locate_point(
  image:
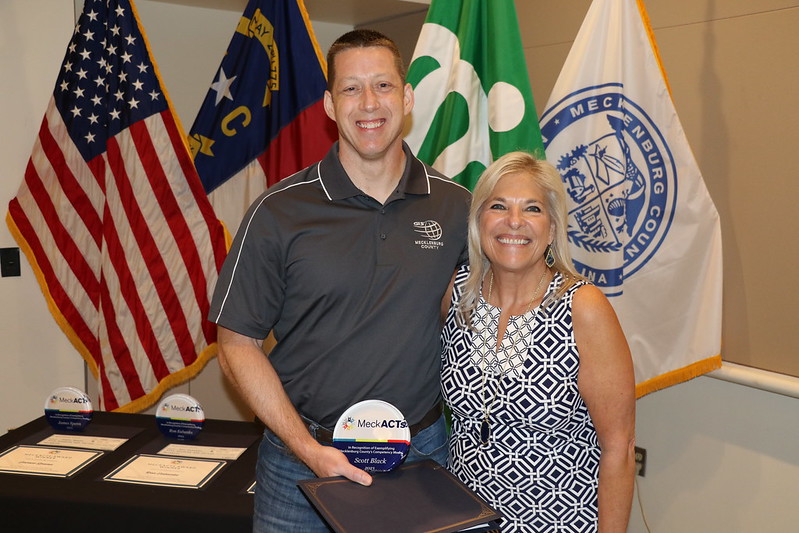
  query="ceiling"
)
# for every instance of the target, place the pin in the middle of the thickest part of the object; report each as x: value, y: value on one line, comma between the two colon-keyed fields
x: 351, y: 12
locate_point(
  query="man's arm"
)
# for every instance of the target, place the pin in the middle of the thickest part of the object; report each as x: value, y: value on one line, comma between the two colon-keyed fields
x: 250, y: 371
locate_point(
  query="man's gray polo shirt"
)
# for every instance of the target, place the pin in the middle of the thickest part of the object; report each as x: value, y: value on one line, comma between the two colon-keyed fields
x: 351, y: 288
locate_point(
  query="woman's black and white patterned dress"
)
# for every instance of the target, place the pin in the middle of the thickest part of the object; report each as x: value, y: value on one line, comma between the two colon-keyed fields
x: 540, y: 464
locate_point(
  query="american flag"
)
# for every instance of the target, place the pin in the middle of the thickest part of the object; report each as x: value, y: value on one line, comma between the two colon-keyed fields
x: 113, y: 218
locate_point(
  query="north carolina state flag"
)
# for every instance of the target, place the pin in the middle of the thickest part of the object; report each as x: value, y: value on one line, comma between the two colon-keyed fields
x: 263, y: 117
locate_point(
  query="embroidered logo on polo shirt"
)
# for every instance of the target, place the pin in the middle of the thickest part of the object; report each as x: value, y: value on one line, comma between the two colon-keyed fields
x: 431, y: 231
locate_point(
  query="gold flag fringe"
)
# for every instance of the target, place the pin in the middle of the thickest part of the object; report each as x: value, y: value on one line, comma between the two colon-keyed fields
x: 678, y: 376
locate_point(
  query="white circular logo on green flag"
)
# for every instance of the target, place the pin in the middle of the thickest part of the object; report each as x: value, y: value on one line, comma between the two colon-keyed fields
x: 452, y: 113
x: 473, y: 98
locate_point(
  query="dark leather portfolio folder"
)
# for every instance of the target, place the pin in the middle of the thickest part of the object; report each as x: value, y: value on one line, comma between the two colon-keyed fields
x: 420, y: 497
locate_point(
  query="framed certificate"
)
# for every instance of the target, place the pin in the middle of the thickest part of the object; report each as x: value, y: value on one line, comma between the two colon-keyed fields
x: 166, y: 471
x: 90, y: 442
x: 227, y: 453
x: 45, y: 461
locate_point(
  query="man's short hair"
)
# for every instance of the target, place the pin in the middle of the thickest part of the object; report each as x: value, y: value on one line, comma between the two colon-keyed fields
x: 362, y: 38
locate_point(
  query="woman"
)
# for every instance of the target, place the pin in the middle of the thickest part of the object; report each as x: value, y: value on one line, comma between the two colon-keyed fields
x: 536, y: 369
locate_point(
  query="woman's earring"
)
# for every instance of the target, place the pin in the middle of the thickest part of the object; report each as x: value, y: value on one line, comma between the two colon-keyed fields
x: 549, y: 257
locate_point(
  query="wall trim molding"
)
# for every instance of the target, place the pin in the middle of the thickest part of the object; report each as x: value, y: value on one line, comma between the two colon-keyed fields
x: 757, y: 379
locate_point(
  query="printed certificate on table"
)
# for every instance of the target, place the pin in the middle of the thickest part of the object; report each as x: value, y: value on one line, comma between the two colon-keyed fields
x: 166, y: 471
x: 90, y: 442
x: 45, y: 461
x: 202, y: 452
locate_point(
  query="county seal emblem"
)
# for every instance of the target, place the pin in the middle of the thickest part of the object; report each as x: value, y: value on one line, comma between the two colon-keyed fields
x: 620, y: 178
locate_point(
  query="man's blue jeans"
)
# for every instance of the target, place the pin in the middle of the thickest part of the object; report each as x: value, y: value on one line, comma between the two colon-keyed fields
x: 281, y: 507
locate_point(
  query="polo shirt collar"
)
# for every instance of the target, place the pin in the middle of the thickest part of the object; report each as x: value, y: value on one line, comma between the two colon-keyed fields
x: 415, y: 178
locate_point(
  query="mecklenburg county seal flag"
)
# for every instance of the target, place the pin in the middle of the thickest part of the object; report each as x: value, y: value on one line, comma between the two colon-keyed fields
x: 641, y: 225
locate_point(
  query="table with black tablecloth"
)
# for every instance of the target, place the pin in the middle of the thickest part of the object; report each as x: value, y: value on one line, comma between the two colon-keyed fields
x: 86, y: 502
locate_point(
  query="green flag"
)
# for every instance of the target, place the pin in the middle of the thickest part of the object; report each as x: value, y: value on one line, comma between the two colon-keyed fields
x: 473, y: 96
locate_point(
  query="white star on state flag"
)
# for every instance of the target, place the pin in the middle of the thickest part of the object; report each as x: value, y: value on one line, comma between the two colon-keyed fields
x: 222, y: 87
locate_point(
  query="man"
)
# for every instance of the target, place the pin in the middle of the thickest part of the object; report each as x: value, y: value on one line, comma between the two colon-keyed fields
x: 346, y: 262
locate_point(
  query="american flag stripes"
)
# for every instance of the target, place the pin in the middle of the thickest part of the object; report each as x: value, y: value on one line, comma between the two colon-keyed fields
x: 113, y: 218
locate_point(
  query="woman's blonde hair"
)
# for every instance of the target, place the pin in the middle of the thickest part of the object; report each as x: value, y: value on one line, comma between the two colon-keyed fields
x: 545, y: 176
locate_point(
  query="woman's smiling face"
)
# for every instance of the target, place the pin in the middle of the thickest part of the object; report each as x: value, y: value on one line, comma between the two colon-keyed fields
x: 515, y: 226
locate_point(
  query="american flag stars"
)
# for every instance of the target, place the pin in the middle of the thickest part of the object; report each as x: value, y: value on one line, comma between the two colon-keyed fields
x: 107, y: 81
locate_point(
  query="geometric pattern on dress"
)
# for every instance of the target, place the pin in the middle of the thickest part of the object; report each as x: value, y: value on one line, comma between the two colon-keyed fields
x: 541, y: 463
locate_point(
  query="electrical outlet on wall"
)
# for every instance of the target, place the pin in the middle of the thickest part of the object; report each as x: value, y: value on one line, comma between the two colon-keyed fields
x: 640, y: 461
x: 9, y: 262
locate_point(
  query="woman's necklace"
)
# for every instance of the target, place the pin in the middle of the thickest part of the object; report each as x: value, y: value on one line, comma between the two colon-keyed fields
x: 485, y: 426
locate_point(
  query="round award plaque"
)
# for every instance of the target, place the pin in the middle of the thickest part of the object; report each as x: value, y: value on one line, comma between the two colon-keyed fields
x: 68, y: 408
x: 180, y: 416
x: 374, y: 435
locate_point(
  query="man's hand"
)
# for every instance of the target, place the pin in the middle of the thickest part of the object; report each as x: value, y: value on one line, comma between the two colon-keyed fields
x: 327, y: 461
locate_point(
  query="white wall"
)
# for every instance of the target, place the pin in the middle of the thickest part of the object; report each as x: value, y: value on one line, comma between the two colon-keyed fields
x: 721, y: 457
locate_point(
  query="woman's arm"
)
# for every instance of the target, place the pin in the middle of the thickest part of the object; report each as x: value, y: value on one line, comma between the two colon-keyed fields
x: 607, y: 384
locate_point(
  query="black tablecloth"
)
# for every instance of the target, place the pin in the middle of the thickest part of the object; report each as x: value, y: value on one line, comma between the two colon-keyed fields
x: 87, y: 503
